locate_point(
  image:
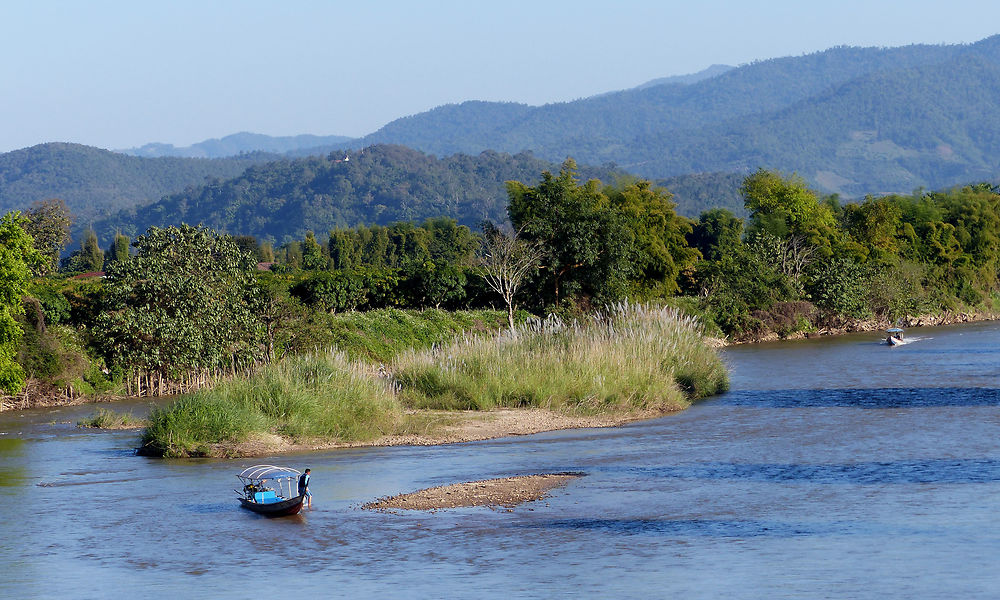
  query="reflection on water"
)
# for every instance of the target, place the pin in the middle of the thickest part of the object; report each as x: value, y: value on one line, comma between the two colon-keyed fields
x: 835, y: 468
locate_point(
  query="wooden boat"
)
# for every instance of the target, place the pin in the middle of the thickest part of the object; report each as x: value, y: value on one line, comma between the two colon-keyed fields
x: 264, y: 490
x: 895, y: 337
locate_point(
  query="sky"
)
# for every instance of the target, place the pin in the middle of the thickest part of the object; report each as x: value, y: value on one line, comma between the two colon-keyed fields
x: 119, y: 74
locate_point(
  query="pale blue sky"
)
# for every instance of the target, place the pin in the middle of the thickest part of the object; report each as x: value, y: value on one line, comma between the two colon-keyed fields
x: 116, y: 74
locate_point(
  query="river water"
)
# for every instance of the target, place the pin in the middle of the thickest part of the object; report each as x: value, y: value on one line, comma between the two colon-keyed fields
x: 835, y: 468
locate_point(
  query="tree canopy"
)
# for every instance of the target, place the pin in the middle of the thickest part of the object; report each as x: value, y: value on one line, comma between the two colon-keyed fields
x: 186, y: 301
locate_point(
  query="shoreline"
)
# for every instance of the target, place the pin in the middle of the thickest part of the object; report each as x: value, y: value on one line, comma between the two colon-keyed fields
x: 457, y: 427
x: 928, y: 320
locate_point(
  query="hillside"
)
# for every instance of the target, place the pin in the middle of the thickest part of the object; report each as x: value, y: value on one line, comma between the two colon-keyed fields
x: 95, y: 182
x: 772, y: 113
x: 379, y: 185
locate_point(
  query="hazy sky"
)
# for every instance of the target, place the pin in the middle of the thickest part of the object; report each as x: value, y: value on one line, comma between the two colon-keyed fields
x: 121, y: 74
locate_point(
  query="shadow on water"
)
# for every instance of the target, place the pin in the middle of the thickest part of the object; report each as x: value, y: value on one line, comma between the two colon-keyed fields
x: 944, y: 471
x: 862, y: 398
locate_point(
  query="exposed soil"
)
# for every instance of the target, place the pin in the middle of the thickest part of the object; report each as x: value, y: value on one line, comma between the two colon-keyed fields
x: 440, y: 427
x: 507, y: 492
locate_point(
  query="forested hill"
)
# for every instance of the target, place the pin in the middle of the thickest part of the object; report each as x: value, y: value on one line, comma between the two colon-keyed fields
x: 380, y: 185
x: 851, y: 120
x: 95, y: 183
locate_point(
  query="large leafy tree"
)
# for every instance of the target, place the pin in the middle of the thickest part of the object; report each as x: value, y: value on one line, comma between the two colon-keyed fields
x: 17, y: 258
x: 586, y: 245
x: 187, y: 301
x: 785, y: 206
x: 660, y: 251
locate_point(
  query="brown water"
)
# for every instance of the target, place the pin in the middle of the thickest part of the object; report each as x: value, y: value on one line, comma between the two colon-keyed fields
x: 836, y: 468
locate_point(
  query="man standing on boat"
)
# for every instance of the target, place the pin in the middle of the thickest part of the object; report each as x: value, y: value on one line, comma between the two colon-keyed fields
x: 304, y: 489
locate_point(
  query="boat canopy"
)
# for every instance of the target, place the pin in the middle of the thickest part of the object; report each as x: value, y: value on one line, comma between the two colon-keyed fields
x: 894, y: 330
x: 261, y: 472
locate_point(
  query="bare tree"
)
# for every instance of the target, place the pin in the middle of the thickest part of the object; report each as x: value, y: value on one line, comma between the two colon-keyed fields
x: 507, y: 260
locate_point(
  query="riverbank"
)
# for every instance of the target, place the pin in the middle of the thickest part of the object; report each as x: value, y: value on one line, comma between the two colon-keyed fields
x: 434, y: 428
x: 857, y: 326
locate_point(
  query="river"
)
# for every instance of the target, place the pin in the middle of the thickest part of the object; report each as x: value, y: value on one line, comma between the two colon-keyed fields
x: 835, y: 468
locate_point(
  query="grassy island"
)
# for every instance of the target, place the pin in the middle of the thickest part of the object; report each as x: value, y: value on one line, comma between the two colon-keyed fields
x: 628, y: 362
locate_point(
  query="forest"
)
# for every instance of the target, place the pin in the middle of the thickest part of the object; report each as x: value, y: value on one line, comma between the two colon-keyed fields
x: 182, y: 305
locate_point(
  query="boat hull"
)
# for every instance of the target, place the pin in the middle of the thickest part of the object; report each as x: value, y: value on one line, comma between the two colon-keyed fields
x: 274, y: 509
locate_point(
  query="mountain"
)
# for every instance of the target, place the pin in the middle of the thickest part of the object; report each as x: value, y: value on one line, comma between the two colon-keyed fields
x: 860, y: 137
x: 239, y: 143
x: 281, y: 200
x: 851, y: 120
x: 95, y: 182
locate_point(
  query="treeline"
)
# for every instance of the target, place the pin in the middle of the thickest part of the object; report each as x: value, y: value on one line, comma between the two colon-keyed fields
x: 801, y: 262
x: 179, y: 307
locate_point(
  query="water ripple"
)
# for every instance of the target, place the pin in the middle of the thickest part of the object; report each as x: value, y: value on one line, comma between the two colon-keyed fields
x: 952, y: 471
x: 863, y: 398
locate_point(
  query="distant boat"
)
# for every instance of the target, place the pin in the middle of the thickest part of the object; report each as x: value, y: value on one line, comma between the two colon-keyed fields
x: 263, y: 490
x: 894, y: 337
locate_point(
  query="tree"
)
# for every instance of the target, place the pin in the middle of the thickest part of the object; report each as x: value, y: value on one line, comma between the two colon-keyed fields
x: 119, y: 250
x: 507, y: 260
x: 48, y: 223
x: 312, y: 254
x: 186, y: 302
x: 88, y: 258
x: 586, y: 244
x: 18, y: 257
x: 717, y: 232
x: 784, y: 206
x: 660, y: 250
x: 433, y: 284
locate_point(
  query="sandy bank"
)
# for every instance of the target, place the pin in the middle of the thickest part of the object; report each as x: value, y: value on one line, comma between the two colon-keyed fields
x: 440, y: 427
x: 506, y: 492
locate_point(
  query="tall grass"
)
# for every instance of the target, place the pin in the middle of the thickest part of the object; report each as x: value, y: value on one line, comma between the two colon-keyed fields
x: 628, y: 359
x: 317, y: 396
x: 631, y: 358
x: 380, y: 335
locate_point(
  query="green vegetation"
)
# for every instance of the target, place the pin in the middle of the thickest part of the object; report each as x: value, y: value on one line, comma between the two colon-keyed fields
x: 625, y: 360
x: 629, y: 360
x: 804, y: 263
x: 315, y: 396
x: 108, y: 419
x: 184, y: 306
x: 379, y: 185
x: 17, y: 256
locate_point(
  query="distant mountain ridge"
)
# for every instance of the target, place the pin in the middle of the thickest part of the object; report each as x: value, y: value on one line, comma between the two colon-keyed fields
x: 95, y: 182
x: 769, y: 113
x: 238, y: 143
